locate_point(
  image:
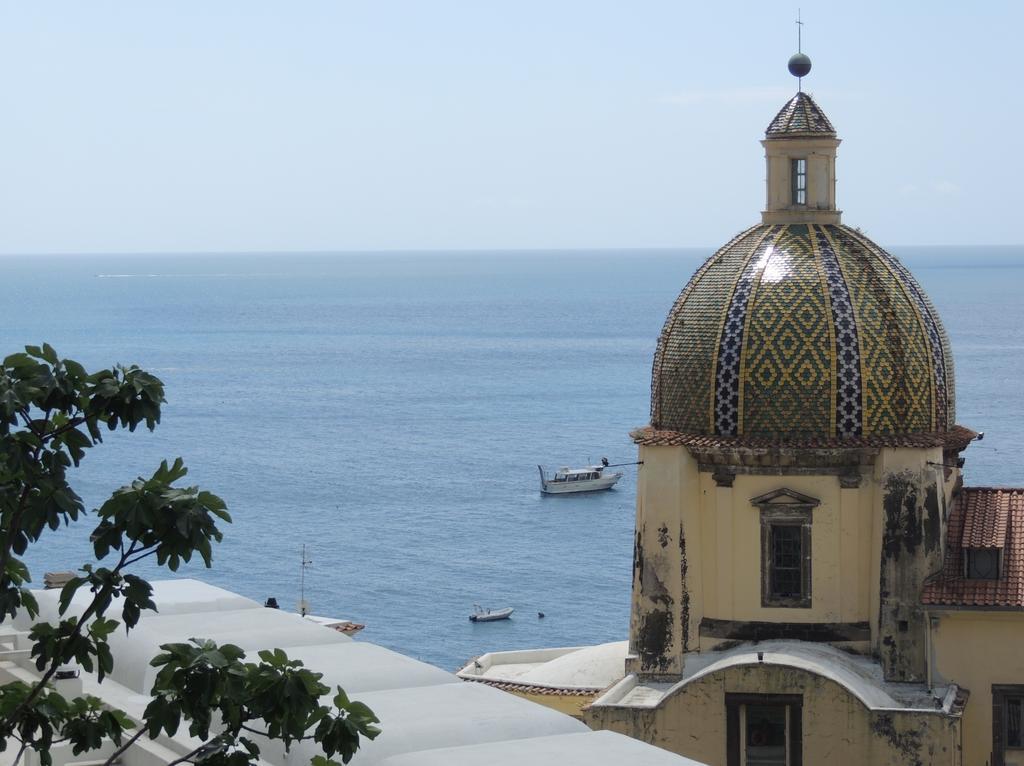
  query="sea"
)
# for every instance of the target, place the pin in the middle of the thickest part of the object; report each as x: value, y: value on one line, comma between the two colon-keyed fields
x: 387, y: 412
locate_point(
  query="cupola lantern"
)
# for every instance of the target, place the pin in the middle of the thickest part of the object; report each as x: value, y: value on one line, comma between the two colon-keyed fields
x: 800, y: 151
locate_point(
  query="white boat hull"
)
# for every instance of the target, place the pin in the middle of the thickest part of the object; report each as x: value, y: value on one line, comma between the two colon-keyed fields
x: 606, y: 481
x: 491, y: 616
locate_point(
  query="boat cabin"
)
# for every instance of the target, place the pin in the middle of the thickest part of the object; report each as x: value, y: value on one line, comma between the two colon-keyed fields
x: 577, y: 474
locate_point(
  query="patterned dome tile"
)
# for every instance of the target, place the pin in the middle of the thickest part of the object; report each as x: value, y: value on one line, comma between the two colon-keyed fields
x: 807, y: 330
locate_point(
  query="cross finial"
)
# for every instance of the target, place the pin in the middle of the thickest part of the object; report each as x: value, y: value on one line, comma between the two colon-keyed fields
x: 799, y: 64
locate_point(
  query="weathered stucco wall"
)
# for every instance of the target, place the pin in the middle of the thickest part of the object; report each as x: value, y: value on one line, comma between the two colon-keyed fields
x: 873, y: 543
x: 838, y: 730
x: 911, y: 513
x: 976, y: 650
x: 690, y: 529
x: 659, y: 625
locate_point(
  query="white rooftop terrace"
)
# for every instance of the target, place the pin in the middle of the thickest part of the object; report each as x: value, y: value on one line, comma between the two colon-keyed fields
x: 428, y: 716
x: 577, y: 668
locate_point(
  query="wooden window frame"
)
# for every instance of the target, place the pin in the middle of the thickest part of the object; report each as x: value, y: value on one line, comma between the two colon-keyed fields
x: 1000, y: 693
x: 786, y: 514
x: 794, y: 737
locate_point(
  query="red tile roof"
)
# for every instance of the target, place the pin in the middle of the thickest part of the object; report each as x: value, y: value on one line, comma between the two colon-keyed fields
x: 982, y: 517
x: 956, y: 438
x: 986, y: 515
x: 561, y: 691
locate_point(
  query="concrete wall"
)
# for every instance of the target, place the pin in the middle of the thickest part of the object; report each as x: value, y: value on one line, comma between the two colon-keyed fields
x: 976, y: 650
x: 838, y: 730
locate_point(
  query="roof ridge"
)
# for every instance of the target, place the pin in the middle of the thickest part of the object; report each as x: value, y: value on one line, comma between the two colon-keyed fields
x: 992, y: 489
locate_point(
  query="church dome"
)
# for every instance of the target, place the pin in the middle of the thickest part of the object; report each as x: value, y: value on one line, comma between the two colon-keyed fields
x: 803, y: 333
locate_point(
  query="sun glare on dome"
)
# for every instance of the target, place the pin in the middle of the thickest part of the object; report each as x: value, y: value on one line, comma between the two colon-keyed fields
x: 772, y: 269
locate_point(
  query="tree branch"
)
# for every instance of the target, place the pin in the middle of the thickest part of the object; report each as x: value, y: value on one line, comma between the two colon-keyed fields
x: 21, y: 751
x: 26, y: 420
x: 57, y: 660
x: 73, y: 423
x: 117, y: 753
x: 141, y: 556
x: 187, y: 758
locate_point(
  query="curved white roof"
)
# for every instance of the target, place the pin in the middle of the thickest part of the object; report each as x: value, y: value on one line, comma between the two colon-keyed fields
x: 592, y: 666
x: 427, y: 715
x: 820, y: 659
x: 580, y: 667
x: 172, y: 596
x: 861, y: 676
x: 559, y: 750
x: 250, y: 629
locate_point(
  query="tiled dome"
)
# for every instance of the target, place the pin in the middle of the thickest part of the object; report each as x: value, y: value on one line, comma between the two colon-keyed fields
x: 803, y: 331
x: 800, y: 117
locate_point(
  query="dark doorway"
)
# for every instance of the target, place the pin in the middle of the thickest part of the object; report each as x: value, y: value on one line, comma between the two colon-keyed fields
x: 764, y: 729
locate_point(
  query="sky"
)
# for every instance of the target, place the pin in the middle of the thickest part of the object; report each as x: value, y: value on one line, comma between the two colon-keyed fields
x: 243, y: 125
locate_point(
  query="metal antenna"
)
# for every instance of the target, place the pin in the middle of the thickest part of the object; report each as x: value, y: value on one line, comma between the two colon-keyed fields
x: 799, y: 43
x: 303, y: 604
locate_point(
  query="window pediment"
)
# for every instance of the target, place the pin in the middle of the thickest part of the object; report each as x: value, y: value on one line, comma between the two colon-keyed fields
x: 786, y: 517
x: 784, y: 497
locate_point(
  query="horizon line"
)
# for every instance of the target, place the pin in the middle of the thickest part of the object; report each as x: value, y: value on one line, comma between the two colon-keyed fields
x: 463, y: 250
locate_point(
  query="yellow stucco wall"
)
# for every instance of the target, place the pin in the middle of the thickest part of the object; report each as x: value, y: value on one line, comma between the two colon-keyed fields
x: 723, y: 537
x: 564, y: 703
x: 976, y: 650
x: 721, y: 561
x: 736, y: 544
x: 838, y: 730
x: 821, y: 182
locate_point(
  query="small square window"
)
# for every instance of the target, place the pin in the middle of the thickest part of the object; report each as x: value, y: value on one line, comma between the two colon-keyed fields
x: 982, y: 563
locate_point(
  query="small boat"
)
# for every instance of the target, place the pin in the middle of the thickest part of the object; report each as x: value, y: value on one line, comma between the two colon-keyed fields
x: 590, y: 478
x: 490, y: 615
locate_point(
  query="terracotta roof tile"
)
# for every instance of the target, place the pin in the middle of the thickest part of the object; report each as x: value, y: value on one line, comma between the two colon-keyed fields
x: 980, y: 517
x: 986, y: 515
x: 956, y: 438
x: 561, y: 691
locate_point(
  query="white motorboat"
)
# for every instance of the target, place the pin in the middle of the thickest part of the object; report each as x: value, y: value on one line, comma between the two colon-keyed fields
x: 590, y: 478
x: 490, y: 615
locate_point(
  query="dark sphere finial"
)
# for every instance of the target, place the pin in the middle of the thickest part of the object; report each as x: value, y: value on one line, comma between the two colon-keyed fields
x: 799, y: 64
